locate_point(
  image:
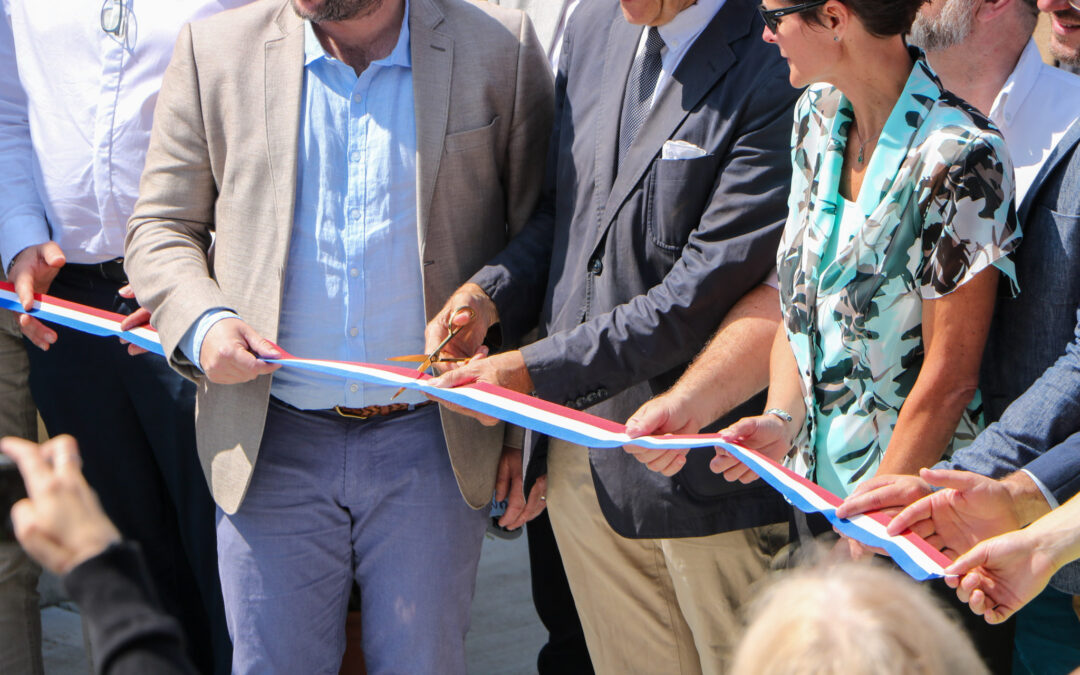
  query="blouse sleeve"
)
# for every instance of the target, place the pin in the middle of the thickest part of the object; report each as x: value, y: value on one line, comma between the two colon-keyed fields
x: 970, y: 223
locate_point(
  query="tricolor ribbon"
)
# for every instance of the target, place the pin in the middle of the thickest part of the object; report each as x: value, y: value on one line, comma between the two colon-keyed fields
x: 919, y: 559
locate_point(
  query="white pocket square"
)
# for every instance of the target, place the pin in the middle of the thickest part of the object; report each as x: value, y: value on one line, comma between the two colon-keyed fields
x: 681, y: 150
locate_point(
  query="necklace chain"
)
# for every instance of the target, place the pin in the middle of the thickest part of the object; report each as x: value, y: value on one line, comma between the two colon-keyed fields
x: 862, y: 145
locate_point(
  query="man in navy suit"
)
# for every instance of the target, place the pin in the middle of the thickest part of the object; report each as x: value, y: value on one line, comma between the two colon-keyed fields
x: 667, y: 179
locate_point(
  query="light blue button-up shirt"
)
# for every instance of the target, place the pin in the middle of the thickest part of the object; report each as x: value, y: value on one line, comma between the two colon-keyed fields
x: 353, y: 285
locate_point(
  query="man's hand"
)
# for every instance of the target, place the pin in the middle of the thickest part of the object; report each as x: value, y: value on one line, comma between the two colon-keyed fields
x: 883, y: 493
x: 140, y: 317
x: 508, y: 486
x: 470, y: 338
x: 971, y: 508
x: 1002, y: 574
x: 668, y: 413
x: 768, y: 434
x: 32, y: 271
x: 231, y: 351
x: 505, y: 370
x: 60, y: 523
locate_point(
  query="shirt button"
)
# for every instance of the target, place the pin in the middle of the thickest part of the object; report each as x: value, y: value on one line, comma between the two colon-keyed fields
x: 354, y: 388
x: 354, y: 331
x: 354, y: 272
x: 357, y: 97
x: 597, y: 266
x: 354, y: 156
x: 354, y: 214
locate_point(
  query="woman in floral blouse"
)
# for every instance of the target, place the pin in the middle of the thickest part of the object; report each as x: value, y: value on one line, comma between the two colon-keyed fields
x: 900, y: 219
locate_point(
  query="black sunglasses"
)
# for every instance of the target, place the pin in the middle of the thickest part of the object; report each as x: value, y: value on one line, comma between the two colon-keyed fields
x: 772, y: 16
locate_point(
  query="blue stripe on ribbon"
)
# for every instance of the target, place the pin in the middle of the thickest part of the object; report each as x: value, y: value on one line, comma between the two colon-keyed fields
x: 788, y: 487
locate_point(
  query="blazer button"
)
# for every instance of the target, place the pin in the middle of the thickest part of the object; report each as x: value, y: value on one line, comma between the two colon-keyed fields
x: 597, y: 266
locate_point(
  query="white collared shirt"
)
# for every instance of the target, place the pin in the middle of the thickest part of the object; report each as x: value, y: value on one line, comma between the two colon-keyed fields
x: 678, y: 34
x: 75, y: 118
x: 1034, y: 109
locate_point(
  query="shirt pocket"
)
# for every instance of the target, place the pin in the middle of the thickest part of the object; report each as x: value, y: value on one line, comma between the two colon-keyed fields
x: 678, y: 191
x: 481, y: 137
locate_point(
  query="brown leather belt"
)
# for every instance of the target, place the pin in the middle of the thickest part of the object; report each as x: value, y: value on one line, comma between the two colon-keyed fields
x: 367, y: 412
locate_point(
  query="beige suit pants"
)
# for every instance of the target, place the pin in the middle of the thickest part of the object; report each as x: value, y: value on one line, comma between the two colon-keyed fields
x: 651, y: 605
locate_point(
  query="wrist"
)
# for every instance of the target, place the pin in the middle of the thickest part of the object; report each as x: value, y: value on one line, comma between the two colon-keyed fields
x: 1028, y: 502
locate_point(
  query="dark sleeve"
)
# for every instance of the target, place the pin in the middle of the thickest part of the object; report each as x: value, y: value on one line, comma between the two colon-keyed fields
x: 516, y: 278
x: 730, y: 251
x: 1059, y: 468
x: 1045, y: 415
x: 129, y: 631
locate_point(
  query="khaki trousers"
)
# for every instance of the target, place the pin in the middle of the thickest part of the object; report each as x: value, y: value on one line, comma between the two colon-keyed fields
x: 651, y: 605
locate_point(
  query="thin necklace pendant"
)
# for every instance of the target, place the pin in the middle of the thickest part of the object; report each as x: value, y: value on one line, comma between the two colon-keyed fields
x: 860, y: 160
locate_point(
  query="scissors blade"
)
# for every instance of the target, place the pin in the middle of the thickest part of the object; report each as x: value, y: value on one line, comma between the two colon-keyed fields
x: 434, y: 355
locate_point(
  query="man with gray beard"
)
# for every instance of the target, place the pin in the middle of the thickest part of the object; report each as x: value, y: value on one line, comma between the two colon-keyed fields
x: 984, y: 53
x: 357, y: 160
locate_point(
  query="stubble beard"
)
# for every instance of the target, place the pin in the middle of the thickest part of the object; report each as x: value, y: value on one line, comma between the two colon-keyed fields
x: 337, y: 10
x: 948, y: 29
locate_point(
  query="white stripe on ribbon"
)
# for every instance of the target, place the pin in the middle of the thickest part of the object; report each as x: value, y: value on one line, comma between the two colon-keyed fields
x: 911, y: 552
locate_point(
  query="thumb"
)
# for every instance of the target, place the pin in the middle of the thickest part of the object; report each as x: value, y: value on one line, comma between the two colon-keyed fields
x: 646, y: 420
x: 262, y: 347
x: 969, y: 561
x: 53, y: 255
x: 454, y: 378
x: 742, y: 429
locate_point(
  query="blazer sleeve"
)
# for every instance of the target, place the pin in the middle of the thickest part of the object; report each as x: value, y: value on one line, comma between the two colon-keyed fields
x: 1044, y: 416
x: 169, y: 231
x: 1059, y: 468
x: 730, y: 251
x: 516, y: 278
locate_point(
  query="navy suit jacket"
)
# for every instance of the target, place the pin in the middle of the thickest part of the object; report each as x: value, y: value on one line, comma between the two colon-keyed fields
x: 628, y: 271
x: 1040, y: 428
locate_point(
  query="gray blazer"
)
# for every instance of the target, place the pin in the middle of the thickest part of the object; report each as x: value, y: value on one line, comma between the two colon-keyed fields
x: 545, y: 15
x: 222, y: 160
x: 1039, y: 329
x: 629, y: 273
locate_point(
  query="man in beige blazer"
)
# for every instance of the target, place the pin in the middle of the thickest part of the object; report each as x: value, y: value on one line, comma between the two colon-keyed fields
x: 354, y: 166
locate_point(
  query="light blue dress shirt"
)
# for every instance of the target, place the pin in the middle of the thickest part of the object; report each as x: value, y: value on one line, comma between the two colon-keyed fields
x: 353, y: 286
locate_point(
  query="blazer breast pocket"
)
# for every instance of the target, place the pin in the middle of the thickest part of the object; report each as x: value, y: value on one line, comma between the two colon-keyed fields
x: 472, y: 138
x: 1051, y: 247
x: 678, y: 191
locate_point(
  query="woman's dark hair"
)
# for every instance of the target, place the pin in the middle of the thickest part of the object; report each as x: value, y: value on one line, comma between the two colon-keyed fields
x: 881, y: 18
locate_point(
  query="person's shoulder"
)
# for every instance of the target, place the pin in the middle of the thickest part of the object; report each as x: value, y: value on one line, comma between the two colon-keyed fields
x: 259, y: 15
x: 463, y: 17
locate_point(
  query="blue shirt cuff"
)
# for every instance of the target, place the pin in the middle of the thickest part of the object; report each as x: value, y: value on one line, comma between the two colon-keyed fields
x: 19, y: 233
x: 191, y: 343
x: 1050, y: 498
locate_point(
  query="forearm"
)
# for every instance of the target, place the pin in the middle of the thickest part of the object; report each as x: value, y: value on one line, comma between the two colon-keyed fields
x: 1058, y: 533
x: 734, y: 366
x: 926, y: 424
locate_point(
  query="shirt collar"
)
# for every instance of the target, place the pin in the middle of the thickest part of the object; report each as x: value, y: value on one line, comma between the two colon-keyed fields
x: 689, y: 23
x: 400, y: 56
x: 1020, y: 83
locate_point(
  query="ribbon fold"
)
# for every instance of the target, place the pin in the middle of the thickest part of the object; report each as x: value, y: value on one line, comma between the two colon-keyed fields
x: 916, y: 557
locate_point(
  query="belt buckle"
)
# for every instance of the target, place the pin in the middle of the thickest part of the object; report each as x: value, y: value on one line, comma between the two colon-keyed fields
x: 344, y: 413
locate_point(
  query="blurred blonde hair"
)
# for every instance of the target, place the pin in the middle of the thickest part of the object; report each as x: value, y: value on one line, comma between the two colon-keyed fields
x: 851, y: 618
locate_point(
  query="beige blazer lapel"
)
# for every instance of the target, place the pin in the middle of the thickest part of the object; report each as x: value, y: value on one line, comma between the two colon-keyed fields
x: 284, y: 84
x: 433, y: 59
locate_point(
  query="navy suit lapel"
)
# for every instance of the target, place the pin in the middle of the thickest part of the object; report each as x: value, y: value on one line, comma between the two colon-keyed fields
x: 619, y: 56
x: 1060, y: 151
x: 701, y: 68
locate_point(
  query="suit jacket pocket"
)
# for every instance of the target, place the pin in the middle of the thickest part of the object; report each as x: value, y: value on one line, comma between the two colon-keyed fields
x: 471, y: 138
x: 679, y: 189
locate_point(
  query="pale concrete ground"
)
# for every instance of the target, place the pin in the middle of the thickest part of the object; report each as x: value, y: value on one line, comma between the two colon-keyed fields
x: 504, y: 639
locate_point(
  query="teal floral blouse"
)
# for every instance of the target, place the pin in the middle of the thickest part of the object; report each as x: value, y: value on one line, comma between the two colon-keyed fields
x: 937, y: 200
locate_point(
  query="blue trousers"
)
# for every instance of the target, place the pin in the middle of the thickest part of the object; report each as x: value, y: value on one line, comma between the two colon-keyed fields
x: 332, y: 500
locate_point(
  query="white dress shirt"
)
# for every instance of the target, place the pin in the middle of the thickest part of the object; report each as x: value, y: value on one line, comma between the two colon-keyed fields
x: 678, y: 34
x: 1034, y: 108
x: 75, y: 117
